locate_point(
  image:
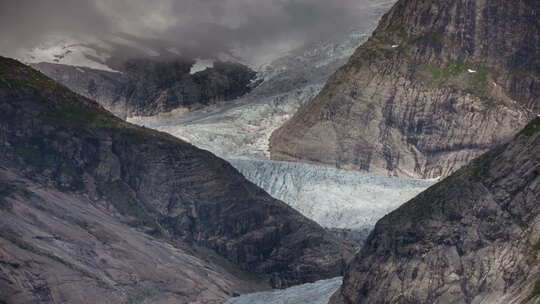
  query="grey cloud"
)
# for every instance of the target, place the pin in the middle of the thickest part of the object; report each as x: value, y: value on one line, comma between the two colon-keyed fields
x: 202, y: 27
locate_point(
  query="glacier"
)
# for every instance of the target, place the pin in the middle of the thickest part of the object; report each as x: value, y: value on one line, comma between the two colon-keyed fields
x: 334, y: 198
x: 239, y: 131
x: 310, y: 293
x: 243, y: 127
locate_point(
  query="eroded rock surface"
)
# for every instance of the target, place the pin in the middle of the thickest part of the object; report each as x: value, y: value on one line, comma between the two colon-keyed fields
x: 472, y: 238
x: 438, y: 83
x: 61, y: 248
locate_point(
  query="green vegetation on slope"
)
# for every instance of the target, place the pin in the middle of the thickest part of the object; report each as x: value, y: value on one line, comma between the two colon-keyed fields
x: 469, y: 77
x: 535, y: 292
x: 532, y: 128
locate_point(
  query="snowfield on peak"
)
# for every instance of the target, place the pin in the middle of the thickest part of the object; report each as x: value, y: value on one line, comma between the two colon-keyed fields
x: 70, y: 52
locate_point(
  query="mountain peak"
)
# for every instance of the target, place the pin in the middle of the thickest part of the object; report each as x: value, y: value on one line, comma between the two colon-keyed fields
x: 437, y: 84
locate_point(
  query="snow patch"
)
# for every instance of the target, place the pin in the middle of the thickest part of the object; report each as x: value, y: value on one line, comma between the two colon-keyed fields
x: 69, y: 53
x: 201, y: 65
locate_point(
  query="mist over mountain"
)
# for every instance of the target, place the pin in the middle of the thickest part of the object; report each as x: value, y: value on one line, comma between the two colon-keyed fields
x: 256, y: 29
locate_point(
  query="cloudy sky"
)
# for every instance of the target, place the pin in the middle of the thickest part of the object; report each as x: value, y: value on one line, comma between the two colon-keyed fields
x: 207, y: 26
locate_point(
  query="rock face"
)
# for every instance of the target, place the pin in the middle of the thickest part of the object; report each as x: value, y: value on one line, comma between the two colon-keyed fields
x: 472, y: 238
x: 438, y: 83
x: 147, y: 180
x: 147, y: 87
x: 58, y: 247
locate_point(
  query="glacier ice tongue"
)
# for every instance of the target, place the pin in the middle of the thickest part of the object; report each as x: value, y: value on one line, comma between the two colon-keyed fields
x: 334, y: 198
x: 310, y: 293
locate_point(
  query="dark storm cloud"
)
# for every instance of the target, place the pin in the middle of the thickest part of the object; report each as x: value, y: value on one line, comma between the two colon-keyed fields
x: 205, y: 26
x: 23, y: 22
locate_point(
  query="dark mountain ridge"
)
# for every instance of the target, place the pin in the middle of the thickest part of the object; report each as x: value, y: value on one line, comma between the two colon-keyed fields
x: 67, y: 145
x: 472, y: 238
x: 147, y: 86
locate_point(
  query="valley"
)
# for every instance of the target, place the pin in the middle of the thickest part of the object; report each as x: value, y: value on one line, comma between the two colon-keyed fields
x: 240, y: 157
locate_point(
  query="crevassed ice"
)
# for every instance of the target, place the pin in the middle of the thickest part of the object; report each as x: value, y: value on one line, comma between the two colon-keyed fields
x: 310, y: 293
x: 332, y: 197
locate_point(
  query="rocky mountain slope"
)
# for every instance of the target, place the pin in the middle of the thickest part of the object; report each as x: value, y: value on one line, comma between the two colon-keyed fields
x: 76, y: 155
x: 148, y: 86
x: 437, y: 84
x: 59, y: 247
x: 472, y: 238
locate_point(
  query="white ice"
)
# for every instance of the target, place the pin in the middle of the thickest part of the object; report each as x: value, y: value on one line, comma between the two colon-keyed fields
x: 201, y: 65
x: 332, y: 197
x: 310, y: 293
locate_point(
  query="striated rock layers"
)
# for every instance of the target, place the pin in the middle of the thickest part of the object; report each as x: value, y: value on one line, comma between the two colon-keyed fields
x: 437, y: 84
x: 472, y: 238
x: 148, y: 87
x: 85, y: 195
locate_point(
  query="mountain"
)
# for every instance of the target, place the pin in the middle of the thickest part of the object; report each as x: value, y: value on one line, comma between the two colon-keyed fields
x: 437, y: 84
x: 85, y: 195
x: 61, y: 247
x: 133, y: 76
x: 148, y: 86
x: 472, y: 238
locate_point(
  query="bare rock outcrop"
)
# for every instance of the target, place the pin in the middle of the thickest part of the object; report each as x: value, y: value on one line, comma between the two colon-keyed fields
x: 472, y: 238
x: 437, y: 84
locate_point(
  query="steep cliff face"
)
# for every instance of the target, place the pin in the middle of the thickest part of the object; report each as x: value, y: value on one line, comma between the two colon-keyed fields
x: 59, y: 247
x: 153, y: 182
x: 437, y: 84
x: 146, y: 87
x: 472, y: 238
